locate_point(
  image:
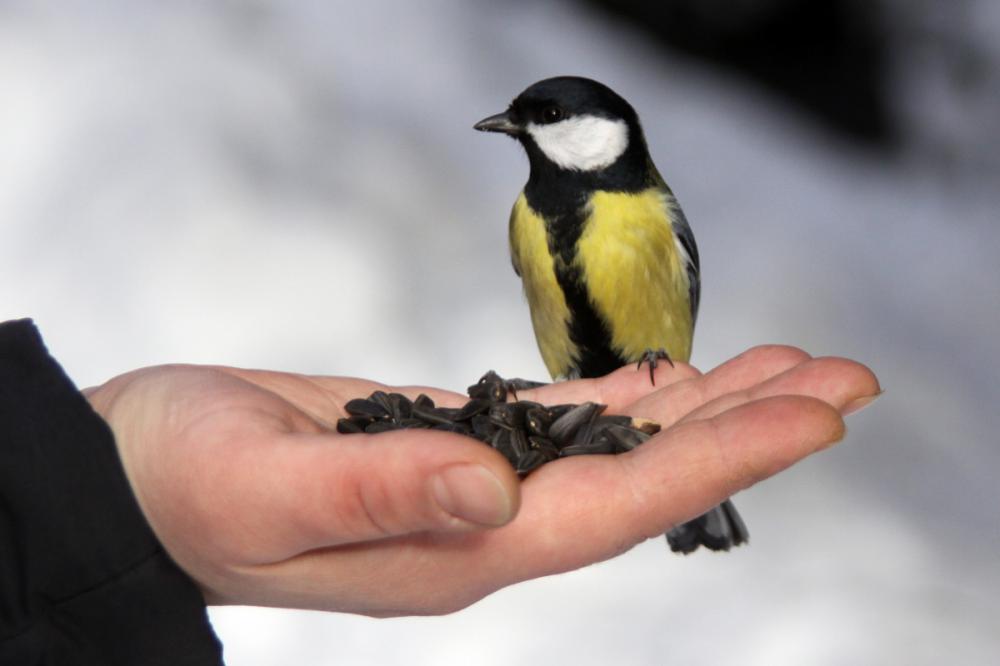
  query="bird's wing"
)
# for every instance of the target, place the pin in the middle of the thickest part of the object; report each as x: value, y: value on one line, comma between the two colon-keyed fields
x: 689, y: 253
x: 686, y: 246
x: 515, y: 260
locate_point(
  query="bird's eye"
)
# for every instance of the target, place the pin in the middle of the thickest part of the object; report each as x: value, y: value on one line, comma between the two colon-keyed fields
x: 552, y: 114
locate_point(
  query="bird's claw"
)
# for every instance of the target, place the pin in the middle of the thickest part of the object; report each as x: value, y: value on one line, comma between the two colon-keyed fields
x: 652, y: 357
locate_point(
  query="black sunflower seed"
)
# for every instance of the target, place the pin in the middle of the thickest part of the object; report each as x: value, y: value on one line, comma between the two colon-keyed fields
x: 490, y: 386
x: 519, y: 442
x: 625, y: 438
x: 501, y: 442
x: 400, y: 407
x: 538, y: 420
x: 558, y: 410
x: 424, y: 401
x: 365, y: 407
x: 544, y: 446
x: 431, y: 414
x: 473, y: 407
x: 596, y: 447
x: 482, y: 426
x: 382, y: 398
x: 529, y: 462
x: 612, y: 419
x: 380, y: 426
x: 586, y: 433
x: 564, y: 428
x: 348, y: 426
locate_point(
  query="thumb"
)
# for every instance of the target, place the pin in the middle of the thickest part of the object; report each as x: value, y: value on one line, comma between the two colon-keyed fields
x: 330, y: 490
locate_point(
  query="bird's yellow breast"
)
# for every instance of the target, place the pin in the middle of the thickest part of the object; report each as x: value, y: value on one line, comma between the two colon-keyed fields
x: 634, y: 273
x: 550, y: 315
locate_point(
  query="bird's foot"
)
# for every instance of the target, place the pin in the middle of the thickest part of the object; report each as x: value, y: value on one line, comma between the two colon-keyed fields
x: 652, y: 357
x: 515, y: 384
x: 495, y: 388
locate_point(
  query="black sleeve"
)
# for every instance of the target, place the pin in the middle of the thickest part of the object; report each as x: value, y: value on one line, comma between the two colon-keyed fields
x: 83, y: 580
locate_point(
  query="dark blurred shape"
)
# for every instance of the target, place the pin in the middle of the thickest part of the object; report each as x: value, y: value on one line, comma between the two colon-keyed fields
x: 829, y: 57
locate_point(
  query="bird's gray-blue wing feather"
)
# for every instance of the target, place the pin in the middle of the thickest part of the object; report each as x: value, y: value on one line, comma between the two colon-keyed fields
x: 685, y: 240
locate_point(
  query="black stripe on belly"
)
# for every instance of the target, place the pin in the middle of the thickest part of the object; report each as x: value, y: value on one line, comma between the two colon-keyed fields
x: 564, y: 220
x: 588, y: 330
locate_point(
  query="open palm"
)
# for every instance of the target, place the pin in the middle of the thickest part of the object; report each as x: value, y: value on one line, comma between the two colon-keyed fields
x: 252, y: 491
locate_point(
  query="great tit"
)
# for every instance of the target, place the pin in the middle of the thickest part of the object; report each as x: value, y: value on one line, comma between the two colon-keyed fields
x: 608, y: 261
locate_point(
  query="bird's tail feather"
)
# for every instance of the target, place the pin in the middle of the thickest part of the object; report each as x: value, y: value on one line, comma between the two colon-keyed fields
x: 719, y: 529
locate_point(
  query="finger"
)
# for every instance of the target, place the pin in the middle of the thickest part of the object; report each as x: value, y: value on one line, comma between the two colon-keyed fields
x: 716, y: 457
x: 739, y: 373
x: 839, y: 382
x: 674, y: 477
x: 624, y: 387
x: 308, y: 491
x: 617, y: 389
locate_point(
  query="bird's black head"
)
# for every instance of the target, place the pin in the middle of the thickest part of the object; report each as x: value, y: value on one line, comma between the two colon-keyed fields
x: 570, y: 123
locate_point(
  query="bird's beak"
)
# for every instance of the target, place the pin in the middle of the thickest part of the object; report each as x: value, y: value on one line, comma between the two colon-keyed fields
x: 501, y: 122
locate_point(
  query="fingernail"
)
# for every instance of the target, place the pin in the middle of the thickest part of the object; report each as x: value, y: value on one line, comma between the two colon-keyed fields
x: 472, y: 493
x: 859, y: 404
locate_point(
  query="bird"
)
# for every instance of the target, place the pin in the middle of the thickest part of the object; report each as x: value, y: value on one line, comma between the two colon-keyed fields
x: 608, y: 261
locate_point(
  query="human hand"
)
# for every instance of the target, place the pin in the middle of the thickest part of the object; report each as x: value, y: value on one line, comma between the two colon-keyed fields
x: 250, y: 489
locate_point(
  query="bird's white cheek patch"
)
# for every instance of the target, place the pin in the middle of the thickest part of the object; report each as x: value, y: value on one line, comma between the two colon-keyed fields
x: 583, y: 143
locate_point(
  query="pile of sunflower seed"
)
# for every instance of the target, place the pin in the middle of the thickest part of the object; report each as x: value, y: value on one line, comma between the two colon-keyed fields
x: 527, y: 433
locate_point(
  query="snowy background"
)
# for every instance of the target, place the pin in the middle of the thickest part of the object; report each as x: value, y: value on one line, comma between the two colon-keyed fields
x: 299, y: 187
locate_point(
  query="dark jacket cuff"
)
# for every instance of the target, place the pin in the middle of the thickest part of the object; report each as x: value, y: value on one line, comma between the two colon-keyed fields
x: 83, y: 579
